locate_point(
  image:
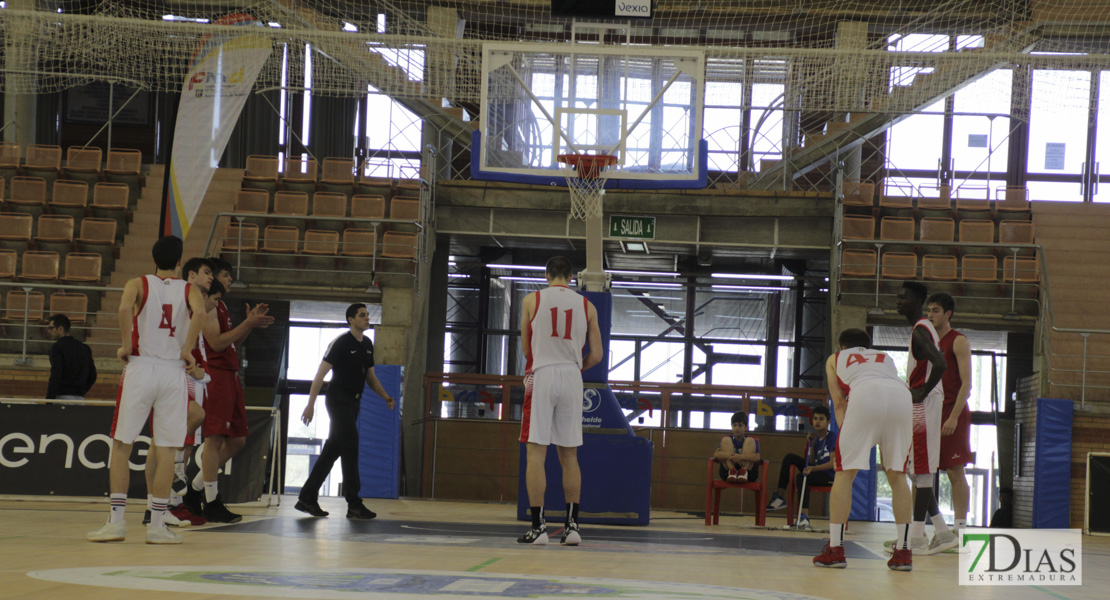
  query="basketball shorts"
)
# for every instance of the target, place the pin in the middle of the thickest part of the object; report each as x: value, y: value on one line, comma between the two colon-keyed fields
x: 152, y: 385
x: 879, y: 412
x: 224, y: 410
x: 197, y: 392
x: 553, y: 406
x: 955, y: 449
x: 925, y: 452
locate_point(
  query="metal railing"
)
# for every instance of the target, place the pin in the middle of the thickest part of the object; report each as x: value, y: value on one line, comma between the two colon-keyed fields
x: 37, y: 317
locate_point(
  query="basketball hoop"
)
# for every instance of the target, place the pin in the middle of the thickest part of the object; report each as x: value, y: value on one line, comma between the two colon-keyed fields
x: 586, y: 176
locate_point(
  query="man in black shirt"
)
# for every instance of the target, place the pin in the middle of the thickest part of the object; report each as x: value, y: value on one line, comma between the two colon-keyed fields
x: 351, y: 357
x: 72, y: 370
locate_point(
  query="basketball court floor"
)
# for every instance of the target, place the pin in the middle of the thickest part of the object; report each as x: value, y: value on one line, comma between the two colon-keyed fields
x: 424, y: 548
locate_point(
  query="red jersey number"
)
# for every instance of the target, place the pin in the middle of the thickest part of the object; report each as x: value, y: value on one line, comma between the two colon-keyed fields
x: 555, y: 322
x: 855, y: 359
x: 167, y: 319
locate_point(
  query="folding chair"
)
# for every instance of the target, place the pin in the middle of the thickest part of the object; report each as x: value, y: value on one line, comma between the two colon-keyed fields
x: 83, y: 267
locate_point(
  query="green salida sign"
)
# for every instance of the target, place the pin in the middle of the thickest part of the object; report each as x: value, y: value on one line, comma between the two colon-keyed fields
x: 633, y: 228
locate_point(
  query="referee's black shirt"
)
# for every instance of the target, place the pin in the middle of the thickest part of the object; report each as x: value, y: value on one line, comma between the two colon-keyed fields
x: 350, y: 359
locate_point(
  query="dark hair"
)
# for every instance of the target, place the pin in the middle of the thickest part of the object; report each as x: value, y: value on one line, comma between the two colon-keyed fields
x: 194, y: 265
x: 740, y: 417
x: 353, y: 309
x: 218, y: 265
x: 943, y: 300
x: 821, y: 410
x: 60, y: 320
x: 854, y: 338
x: 559, y: 268
x: 917, y: 288
x: 216, y: 288
x: 167, y: 252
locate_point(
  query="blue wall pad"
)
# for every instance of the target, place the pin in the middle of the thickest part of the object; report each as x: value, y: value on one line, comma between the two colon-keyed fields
x: 615, y: 462
x: 379, y: 437
x: 1052, y: 467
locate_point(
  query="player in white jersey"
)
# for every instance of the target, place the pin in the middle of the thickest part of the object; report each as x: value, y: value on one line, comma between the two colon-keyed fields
x: 160, y: 318
x: 924, y: 372
x: 873, y: 406
x: 555, y: 325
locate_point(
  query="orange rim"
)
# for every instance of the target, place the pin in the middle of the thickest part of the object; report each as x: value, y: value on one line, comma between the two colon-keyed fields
x: 588, y: 166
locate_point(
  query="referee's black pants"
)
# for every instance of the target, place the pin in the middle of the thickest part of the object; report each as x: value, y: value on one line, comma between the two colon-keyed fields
x: 342, y: 443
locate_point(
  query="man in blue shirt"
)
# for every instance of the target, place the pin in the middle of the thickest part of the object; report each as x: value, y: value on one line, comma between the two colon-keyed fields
x: 820, y: 469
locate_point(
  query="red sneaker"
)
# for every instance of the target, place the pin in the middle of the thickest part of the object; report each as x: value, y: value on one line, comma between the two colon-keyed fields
x: 831, y: 557
x: 183, y: 513
x: 901, y: 560
x: 732, y: 476
x: 741, y: 475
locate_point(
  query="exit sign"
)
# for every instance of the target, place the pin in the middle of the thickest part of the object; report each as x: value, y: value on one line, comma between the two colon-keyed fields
x: 633, y: 228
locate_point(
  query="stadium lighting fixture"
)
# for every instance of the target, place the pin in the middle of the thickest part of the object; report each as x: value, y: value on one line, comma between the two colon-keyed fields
x: 753, y: 276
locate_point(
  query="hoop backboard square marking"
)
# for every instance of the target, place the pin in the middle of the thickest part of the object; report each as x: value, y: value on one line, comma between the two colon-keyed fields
x: 642, y: 104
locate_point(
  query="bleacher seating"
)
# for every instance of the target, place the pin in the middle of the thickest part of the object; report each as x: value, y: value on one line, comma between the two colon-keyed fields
x: 281, y: 239
x: 938, y: 267
x: 858, y: 193
x: 899, y: 265
x: 15, y: 231
x: 9, y: 160
x: 83, y: 164
x: 976, y: 231
x: 375, y: 186
x: 300, y: 175
x: 937, y: 229
x: 83, y: 268
x: 325, y: 243
x: 291, y: 203
x: 858, y: 263
x: 397, y: 244
x: 8, y: 261
x: 20, y: 305
x: 110, y: 201
x: 261, y: 173
x: 54, y: 233
x: 74, y: 305
x: 339, y: 172
x: 858, y: 227
x: 26, y: 195
x: 240, y: 237
x: 358, y: 242
x: 896, y: 229
x: 125, y: 166
x: 99, y: 236
x: 39, y: 266
x: 1012, y: 199
x: 406, y: 208
x: 70, y: 198
x: 365, y: 206
x: 979, y: 267
x: 1022, y: 269
x: 936, y: 205
x: 329, y: 204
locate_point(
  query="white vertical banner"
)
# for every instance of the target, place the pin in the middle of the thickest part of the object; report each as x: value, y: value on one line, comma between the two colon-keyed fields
x: 220, y: 78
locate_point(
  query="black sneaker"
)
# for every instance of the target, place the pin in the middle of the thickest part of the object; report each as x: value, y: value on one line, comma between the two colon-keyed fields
x: 193, y: 500
x: 311, y: 507
x: 146, y: 518
x: 571, y: 536
x: 216, y: 512
x: 359, y: 511
x: 534, y: 536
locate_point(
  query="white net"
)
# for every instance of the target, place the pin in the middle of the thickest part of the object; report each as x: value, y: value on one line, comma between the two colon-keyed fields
x: 817, y: 74
x: 586, y: 176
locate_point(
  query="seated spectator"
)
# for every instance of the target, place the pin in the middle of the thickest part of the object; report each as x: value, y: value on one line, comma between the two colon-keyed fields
x: 1003, y: 518
x: 819, y: 467
x: 738, y: 454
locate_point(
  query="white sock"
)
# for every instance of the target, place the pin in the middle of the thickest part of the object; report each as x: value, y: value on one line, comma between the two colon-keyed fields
x: 210, y: 491
x: 157, y: 512
x: 117, y: 503
x: 959, y: 524
x: 175, y: 498
x: 149, y: 501
x: 938, y: 523
x: 917, y: 530
x: 836, y: 534
x: 198, y: 482
x: 902, y: 542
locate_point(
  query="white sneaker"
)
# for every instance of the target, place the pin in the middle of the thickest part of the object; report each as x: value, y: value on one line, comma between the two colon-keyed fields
x: 108, y: 532
x: 803, y: 523
x: 162, y: 535
x: 172, y: 521
x: 919, y: 545
x: 942, y: 541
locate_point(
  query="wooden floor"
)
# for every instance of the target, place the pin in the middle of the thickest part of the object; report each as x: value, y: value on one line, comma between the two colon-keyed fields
x: 454, y: 549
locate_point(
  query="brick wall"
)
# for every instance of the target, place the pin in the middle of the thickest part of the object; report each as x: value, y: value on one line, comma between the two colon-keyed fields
x: 1090, y: 433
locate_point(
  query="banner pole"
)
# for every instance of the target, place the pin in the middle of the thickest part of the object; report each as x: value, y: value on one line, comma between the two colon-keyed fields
x: 164, y: 224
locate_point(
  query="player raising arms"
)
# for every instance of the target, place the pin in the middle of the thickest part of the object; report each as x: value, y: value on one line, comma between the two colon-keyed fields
x: 160, y: 319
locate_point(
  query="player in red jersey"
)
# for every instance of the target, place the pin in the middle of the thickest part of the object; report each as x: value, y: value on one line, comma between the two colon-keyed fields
x: 160, y: 319
x: 955, y: 432
x: 555, y: 325
x: 225, y: 420
x: 872, y: 406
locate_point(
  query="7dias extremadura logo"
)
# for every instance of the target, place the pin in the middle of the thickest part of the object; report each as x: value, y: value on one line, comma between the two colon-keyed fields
x: 1021, y: 557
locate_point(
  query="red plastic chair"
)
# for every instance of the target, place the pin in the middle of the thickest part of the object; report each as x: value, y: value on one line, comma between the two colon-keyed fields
x: 714, y: 486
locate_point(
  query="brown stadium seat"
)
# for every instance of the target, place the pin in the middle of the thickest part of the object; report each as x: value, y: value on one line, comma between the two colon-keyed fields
x: 20, y: 304
x: 976, y: 231
x: 83, y: 267
x: 85, y: 159
x: 1013, y: 199
x: 300, y: 170
x: 240, y: 236
x: 55, y: 228
x: 358, y: 242
x: 896, y: 228
x: 895, y: 202
x: 70, y: 196
x: 329, y: 204
x: 26, y: 194
x: 899, y: 265
x: 248, y: 200
x: 281, y: 239
x: 937, y: 229
x: 364, y: 206
x: 8, y: 261
x: 124, y: 161
x: 972, y: 201
x: 16, y: 227
x: 339, y: 171
x: 857, y: 227
x: 39, y: 266
x: 399, y: 245
x: 979, y: 267
x: 261, y: 168
x: 857, y: 263
x: 938, y: 267
x: 941, y: 202
x: 1015, y: 232
x: 43, y: 157
x: 1023, y: 269
x: 321, y: 242
x: 97, y: 231
x: 110, y: 196
x: 73, y: 305
x: 9, y: 155
x: 405, y: 207
x: 291, y: 203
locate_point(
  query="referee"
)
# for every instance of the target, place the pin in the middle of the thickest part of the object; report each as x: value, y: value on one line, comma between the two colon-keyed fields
x: 351, y: 356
